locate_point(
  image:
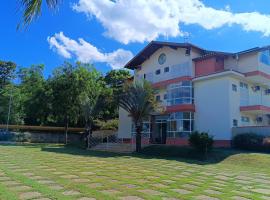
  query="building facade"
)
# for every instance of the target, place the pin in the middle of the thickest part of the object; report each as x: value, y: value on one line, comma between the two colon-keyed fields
x: 201, y: 90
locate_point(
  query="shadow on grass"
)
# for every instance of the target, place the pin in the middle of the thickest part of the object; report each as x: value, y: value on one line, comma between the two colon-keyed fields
x: 181, y: 154
x: 176, y: 153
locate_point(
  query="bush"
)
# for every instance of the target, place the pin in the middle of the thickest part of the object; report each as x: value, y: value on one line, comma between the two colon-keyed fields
x: 202, y: 142
x: 251, y: 141
x: 22, y: 137
x: 107, y: 125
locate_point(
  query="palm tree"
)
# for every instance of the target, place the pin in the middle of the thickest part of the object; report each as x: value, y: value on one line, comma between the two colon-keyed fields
x: 138, y: 100
x: 32, y: 10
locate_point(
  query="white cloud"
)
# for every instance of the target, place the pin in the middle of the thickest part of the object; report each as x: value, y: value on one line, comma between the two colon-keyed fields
x: 86, y: 52
x: 145, y: 20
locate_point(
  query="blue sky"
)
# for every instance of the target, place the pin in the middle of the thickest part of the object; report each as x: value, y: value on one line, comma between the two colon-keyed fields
x: 109, y: 39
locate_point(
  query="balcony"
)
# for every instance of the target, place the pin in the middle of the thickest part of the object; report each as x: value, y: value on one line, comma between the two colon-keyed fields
x: 175, y: 71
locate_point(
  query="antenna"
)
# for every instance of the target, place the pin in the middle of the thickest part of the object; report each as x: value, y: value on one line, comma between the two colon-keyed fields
x: 186, y: 38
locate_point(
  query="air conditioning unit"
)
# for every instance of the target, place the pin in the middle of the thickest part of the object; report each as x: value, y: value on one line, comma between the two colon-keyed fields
x: 267, y: 91
x: 256, y: 88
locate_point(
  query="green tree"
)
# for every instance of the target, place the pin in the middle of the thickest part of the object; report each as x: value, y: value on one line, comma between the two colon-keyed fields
x: 65, y: 95
x: 32, y: 9
x: 7, y: 70
x: 90, y: 98
x: 138, y: 100
x: 114, y: 81
x: 32, y: 89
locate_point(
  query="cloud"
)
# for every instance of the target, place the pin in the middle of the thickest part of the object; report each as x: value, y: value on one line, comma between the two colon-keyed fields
x: 145, y: 20
x: 86, y: 52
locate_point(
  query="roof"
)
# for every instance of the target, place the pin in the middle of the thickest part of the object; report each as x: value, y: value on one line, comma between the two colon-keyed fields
x: 152, y: 47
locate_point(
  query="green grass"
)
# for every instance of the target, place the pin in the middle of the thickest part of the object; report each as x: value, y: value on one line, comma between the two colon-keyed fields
x: 224, y: 174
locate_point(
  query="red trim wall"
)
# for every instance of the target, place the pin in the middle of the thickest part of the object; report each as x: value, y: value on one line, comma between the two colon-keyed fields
x: 208, y: 66
x: 180, y: 108
x: 162, y: 84
x: 258, y: 73
x: 255, y: 107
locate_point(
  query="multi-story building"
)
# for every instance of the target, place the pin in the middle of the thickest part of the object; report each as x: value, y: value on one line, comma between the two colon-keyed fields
x: 202, y: 90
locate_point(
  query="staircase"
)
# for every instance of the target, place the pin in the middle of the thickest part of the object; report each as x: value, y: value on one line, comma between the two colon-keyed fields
x: 113, y: 147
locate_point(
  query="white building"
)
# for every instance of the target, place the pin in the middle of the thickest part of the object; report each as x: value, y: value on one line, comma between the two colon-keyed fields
x: 201, y: 90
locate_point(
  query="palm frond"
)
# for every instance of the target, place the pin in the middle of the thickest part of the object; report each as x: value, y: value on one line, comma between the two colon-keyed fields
x: 32, y: 10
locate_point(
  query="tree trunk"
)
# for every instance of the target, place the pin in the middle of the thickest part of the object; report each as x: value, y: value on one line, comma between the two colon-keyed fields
x: 138, y: 138
x: 88, y: 134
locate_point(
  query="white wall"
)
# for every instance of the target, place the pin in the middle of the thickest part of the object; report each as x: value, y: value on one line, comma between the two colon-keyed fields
x: 173, y: 57
x: 213, y: 107
x: 244, y: 63
x: 125, y: 124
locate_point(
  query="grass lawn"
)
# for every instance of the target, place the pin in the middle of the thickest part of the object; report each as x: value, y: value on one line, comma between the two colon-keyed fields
x: 55, y: 172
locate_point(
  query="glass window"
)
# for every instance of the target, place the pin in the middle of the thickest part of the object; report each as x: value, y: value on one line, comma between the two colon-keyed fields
x: 157, y: 98
x: 158, y: 72
x: 235, y: 122
x: 180, y: 124
x: 166, y: 69
x: 265, y: 57
x: 244, y: 119
x: 234, y: 87
x: 165, y: 96
x: 180, y: 93
x: 146, y: 129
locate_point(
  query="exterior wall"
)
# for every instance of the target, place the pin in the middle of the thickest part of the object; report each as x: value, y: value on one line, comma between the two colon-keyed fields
x: 125, y: 124
x: 173, y: 57
x: 208, y: 66
x: 213, y: 111
x: 245, y: 63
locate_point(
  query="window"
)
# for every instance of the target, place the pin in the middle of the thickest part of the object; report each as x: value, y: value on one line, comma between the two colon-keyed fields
x: 146, y: 129
x: 234, y: 87
x: 244, y: 119
x: 180, y: 93
x: 265, y: 57
x: 235, y: 122
x: 158, y: 72
x: 243, y: 85
x: 157, y: 98
x: 180, y: 124
x: 166, y: 69
x: 144, y: 76
x: 165, y: 96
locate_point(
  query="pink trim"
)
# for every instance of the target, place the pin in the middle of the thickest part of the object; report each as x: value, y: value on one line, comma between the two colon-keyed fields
x: 255, y: 107
x: 144, y: 141
x: 208, y: 66
x: 170, y: 81
x: 258, y: 73
x: 178, y: 108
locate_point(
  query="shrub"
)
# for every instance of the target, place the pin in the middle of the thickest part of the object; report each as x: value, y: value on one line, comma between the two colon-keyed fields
x: 107, y: 125
x: 202, y: 142
x: 251, y: 141
x: 22, y: 137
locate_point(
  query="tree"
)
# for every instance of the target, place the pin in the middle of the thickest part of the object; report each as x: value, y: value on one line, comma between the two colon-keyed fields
x: 32, y: 9
x: 90, y: 97
x: 32, y: 89
x: 7, y: 70
x: 66, y: 92
x: 138, y: 100
x: 114, y: 80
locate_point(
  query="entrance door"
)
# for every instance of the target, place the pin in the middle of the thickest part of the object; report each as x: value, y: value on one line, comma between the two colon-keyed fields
x: 161, y: 132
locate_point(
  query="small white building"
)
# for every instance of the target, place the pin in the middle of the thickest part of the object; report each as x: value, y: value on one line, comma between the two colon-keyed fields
x: 201, y: 90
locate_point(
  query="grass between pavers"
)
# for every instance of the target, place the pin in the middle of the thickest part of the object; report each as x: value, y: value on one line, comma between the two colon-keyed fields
x: 226, y: 174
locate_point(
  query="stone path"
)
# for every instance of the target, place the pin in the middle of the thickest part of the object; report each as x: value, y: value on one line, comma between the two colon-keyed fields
x: 48, y: 176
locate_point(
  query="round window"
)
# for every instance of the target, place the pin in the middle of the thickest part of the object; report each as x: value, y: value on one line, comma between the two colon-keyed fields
x: 162, y: 59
